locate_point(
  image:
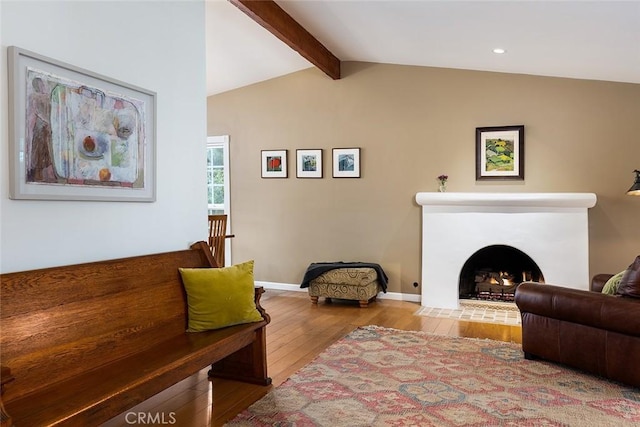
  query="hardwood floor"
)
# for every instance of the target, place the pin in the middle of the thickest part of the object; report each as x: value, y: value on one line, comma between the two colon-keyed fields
x: 298, y: 332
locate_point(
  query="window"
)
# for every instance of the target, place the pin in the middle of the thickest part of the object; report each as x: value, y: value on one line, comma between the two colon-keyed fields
x: 218, y: 174
x: 218, y: 183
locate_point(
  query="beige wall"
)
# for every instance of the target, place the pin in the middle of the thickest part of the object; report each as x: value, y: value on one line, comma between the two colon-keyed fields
x: 413, y: 124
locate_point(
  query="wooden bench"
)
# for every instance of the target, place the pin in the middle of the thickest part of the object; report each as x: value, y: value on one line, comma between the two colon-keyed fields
x: 86, y: 342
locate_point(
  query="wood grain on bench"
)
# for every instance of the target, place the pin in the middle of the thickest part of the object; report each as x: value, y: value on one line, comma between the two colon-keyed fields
x: 86, y: 342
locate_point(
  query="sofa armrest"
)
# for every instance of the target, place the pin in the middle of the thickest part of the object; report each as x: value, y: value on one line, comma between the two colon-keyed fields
x: 598, y: 281
x: 588, y: 308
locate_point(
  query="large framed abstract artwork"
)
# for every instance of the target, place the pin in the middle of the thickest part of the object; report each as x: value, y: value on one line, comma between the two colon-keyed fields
x: 78, y: 135
x: 500, y: 153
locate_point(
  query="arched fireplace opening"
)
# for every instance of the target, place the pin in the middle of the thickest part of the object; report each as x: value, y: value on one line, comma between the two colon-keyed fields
x: 494, y: 272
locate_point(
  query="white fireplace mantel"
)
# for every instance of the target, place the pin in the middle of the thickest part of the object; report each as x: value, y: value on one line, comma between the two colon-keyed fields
x: 551, y: 228
x: 521, y: 200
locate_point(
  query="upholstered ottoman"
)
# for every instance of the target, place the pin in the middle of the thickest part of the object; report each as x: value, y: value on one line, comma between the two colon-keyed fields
x: 360, y: 284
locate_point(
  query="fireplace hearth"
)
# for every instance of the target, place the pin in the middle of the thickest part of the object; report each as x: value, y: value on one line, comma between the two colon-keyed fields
x: 552, y: 229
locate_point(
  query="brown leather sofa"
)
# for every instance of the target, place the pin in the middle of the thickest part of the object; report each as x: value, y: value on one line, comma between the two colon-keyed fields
x: 586, y: 330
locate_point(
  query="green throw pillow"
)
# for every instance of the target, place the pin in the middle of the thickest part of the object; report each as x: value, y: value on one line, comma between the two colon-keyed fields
x: 611, y: 287
x: 220, y: 297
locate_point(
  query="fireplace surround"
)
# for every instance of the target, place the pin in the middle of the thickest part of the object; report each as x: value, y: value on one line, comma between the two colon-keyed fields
x: 551, y: 228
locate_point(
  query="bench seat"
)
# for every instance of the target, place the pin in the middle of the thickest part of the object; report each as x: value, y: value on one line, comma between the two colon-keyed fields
x: 130, y: 380
x: 85, y: 343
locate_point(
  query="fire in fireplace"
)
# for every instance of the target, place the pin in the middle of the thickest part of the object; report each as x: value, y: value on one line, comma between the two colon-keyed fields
x: 494, y: 272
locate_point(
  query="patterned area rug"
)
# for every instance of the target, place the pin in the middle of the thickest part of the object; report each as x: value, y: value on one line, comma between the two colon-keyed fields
x: 385, y: 377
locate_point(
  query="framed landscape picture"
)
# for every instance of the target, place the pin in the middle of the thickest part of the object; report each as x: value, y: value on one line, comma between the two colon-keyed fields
x: 274, y: 163
x: 346, y: 162
x: 309, y: 163
x: 500, y: 153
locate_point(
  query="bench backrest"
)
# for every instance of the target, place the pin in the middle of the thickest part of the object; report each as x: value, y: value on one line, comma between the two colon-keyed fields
x: 58, y: 322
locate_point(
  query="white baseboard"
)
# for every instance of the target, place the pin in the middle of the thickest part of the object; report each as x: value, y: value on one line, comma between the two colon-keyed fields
x: 296, y: 288
x: 280, y: 286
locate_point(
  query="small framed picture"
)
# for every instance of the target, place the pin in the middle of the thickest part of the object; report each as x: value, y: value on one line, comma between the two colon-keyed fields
x: 346, y: 162
x: 500, y: 153
x: 309, y: 163
x: 274, y: 163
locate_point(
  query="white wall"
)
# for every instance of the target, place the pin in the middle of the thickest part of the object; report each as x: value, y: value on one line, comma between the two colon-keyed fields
x: 157, y: 45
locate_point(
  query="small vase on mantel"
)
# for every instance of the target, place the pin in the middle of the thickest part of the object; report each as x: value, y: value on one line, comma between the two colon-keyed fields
x: 442, y: 188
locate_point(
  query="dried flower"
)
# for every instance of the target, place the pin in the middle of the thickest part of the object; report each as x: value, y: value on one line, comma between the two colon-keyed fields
x: 443, y: 179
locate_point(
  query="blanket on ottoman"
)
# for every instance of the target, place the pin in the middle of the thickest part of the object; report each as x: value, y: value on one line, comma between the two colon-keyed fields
x: 317, y: 268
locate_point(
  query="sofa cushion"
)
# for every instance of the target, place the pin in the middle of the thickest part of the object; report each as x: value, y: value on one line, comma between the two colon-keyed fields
x: 630, y: 283
x: 592, y: 309
x: 611, y: 287
x: 220, y: 297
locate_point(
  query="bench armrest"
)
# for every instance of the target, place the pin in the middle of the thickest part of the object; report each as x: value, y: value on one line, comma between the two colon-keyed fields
x: 5, y: 377
x: 259, y: 290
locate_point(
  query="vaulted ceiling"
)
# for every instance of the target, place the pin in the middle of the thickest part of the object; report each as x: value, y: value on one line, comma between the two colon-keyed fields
x: 577, y: 39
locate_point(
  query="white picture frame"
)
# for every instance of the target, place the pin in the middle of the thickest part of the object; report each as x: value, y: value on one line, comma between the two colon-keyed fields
x: 78, y: 135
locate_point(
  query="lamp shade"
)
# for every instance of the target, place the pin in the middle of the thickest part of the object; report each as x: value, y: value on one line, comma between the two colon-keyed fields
x: 635, y: 188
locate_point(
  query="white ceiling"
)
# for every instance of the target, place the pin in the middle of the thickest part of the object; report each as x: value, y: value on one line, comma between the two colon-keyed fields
x: 597, y: 40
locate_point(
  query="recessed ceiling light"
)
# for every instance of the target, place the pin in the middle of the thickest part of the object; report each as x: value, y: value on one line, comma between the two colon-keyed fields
x: 499, y: 50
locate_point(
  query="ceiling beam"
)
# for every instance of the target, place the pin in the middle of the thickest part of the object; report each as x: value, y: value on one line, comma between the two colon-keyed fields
x: 271, y: 16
